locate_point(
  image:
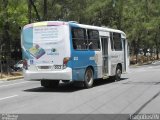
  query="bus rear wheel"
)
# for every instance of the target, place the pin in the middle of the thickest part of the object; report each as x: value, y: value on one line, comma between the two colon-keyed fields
x: 49, y: 83
x: 88, y: 78
x: 118, y: 73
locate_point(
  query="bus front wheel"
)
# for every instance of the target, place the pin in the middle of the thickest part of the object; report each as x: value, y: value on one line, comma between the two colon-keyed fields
x: 49, y: 83
x: 88, y: 78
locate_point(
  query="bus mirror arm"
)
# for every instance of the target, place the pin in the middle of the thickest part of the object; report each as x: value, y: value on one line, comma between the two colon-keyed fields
x: 90, y: 45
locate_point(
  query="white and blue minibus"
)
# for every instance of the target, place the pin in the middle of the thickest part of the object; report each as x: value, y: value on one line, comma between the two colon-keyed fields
x: 68, y: 51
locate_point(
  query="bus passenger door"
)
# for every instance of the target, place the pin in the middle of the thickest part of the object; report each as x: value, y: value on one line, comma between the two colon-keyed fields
x: 104, y: 42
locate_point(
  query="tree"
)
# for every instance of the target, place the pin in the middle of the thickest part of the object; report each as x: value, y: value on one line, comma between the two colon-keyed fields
x: 45, y: 10
x: 140, y: 20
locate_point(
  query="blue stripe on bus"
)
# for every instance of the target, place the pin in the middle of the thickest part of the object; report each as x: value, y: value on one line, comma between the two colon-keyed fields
x: 84, y: 60
x: 80, y: 61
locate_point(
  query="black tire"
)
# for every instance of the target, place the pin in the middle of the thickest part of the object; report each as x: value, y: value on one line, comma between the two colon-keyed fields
x: 88, y: 78
x: 118, y: 73
x: 49, y: 83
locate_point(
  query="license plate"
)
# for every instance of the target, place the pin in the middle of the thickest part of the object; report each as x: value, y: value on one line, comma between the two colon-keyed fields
x: 44, y: 67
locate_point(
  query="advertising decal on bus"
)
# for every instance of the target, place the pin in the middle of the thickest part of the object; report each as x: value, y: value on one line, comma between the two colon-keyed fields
x: 41, y: 44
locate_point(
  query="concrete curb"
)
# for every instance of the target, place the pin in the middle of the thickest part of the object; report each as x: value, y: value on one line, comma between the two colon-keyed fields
x: 138, y: 64
x: 11, y: 78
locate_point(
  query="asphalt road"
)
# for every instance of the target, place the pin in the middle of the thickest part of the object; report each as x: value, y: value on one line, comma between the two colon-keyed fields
x: 138, y: 92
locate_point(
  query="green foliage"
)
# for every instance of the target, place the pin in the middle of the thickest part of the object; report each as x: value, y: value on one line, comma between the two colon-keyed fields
x: 139, y: 19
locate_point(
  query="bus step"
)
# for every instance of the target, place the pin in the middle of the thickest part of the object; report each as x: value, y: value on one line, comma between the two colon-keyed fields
x: 105, y: 76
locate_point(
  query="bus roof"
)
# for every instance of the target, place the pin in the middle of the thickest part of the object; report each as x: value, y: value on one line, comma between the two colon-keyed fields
x: 97, y: 28
x: 73, y: 23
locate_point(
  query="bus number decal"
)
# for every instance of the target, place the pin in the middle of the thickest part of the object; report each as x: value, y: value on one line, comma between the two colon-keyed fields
x: 75, y: 58
x: 58, y: 66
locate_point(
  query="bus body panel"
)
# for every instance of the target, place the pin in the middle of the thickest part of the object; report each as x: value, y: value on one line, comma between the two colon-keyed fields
x: 48, y: 75
x: 82, y: 59
x: 116, y: 57
x: 44, y: 46
x: 99, y: 61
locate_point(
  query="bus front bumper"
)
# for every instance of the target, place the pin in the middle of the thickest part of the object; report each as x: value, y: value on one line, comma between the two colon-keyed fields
x: 65, y: 74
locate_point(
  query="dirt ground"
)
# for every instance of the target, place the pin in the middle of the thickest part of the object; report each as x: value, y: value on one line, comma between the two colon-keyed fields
x: 13, y: 74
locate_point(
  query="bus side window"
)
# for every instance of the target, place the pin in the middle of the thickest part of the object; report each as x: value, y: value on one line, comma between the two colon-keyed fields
x: 112, y: 42
x: 117, y: 41
x: 79, y: 38
x: 93, y: 40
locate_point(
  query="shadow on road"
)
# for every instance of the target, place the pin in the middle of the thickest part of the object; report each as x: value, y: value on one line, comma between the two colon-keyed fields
x: 64, y: 87
x: 71, y: 87
x: 106, y: 81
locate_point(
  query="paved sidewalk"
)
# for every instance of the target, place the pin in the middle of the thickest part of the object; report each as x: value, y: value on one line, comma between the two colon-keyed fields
x: 146, y: 63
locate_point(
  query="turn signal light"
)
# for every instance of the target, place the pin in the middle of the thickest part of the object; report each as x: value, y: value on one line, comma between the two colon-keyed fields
x: 65, y: 61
